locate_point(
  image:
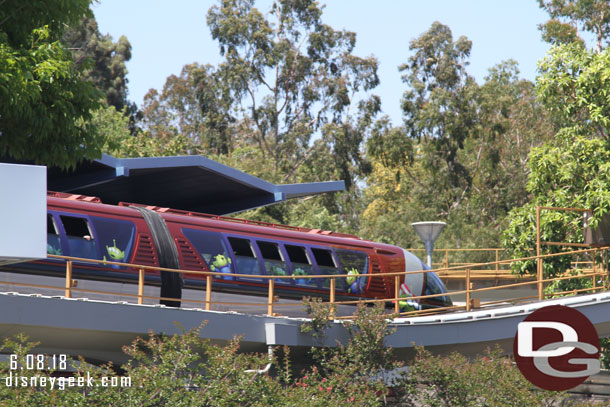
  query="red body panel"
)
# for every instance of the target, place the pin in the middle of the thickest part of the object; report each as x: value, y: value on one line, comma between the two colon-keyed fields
x: 383, y: 258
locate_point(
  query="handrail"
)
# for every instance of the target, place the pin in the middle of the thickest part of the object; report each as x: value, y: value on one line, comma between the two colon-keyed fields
x: 272, y: 301
x: 494, y: 273
x: 265, y: 276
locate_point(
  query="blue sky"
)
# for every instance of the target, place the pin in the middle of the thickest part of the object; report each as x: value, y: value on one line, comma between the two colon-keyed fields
x: 167, y: 35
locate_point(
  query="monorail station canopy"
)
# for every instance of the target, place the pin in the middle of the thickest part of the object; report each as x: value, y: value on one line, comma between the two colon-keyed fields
x: 191, y: 183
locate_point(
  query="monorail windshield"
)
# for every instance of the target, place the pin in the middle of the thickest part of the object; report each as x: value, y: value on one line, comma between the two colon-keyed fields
x: 434, y: 285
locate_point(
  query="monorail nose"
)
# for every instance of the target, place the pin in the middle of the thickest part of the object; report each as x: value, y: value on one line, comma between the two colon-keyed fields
x: 424, y: 283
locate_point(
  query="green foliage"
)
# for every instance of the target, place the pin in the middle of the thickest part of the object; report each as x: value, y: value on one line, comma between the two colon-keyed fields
x: 419, y: 171
x: 490, y: 380
x: 285, y: 77
x: 604, y: 353
x: 366, y: 347
x: 113, y: 125
x: 185, y: 370
x: 319, y: 316
x: 519, y: 238
x: 567, y: 16
x: 181, y: 370
x: 176, y: 112
x: 45, y: 105
x: 122, y: 142
x: 572, y: 170
x: 103, y: 60
x: 19, y: 18
x: 556, y: 32
x: 354, y: 372
x: 577, y: 283
x: 290, y: 102
x: 461, y: 156
x: 293, y: 77
x: 141, y: 145
x: 439, y: 106
x: 573, y: 85
x: 312, y: 214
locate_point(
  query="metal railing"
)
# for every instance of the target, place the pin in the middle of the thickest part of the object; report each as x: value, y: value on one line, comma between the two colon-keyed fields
x: 446, y: 268
x: 598, y: 275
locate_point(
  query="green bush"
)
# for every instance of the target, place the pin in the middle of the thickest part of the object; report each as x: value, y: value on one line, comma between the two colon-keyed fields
x: 185, y: 370
x: 454, y: 380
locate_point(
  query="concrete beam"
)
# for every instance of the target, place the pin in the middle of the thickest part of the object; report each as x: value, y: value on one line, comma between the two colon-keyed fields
x: 98, y: 330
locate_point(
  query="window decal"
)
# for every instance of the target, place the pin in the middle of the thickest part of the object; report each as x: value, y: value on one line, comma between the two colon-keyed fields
x: 301, y: 266
x: 354, y: 264
x: 213, y: 250
x: 115, y: 239
x: 245, y: 258
x: 273, y: 260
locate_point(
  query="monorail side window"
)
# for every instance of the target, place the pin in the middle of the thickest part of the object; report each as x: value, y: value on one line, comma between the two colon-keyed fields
x: 247, y: 263
x: 213, y: 250
x: 81, y: 241
x: 273, y: 261
x: 115, y: 238
x: 355, y: 264
x: 327, y: 265
x: 301, y: 266
x: 53, y: 242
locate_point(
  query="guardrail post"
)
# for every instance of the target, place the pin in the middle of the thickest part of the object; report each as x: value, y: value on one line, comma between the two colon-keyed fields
x: 396, y: 294
x: 332, y: 296
x: 605, y: 267
x: 468, y: 289
x: 271, y: 299
x: 605, y: 271
x: 208, y: 292
x: 602, y: 277
x: 538, y: 258
x: 497, y: 266
x: 68, y: 279
x: 141, y: 286
x: 446, y: 258
x: 593, y: 273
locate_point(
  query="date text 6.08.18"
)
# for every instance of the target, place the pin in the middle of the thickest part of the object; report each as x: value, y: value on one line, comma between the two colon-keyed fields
x: 39, y: 362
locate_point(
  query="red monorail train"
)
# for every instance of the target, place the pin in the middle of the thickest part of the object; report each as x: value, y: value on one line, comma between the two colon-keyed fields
x: 84, y: 227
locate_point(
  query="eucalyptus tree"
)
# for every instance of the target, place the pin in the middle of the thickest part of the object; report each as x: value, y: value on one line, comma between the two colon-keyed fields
x: 431, y: 177
x: 292, y: 82
x: 461, y: 154
x: 289, y: 102
x: 570, y: 16
x: 440, y: 109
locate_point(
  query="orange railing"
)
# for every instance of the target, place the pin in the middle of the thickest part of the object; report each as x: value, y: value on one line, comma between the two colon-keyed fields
x: 449, y: 269
x: 598, y: 275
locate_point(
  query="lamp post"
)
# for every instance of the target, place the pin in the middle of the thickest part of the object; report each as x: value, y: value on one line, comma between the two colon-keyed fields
x: 429, y: 232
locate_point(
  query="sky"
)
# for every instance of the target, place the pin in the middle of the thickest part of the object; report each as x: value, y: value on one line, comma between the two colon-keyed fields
x: 166, y: 35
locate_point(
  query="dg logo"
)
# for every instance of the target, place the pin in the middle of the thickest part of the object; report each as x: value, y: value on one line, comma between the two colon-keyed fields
x: 556, y: 348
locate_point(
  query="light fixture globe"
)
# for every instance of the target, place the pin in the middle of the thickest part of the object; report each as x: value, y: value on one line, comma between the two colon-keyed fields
x: 429, y: 232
